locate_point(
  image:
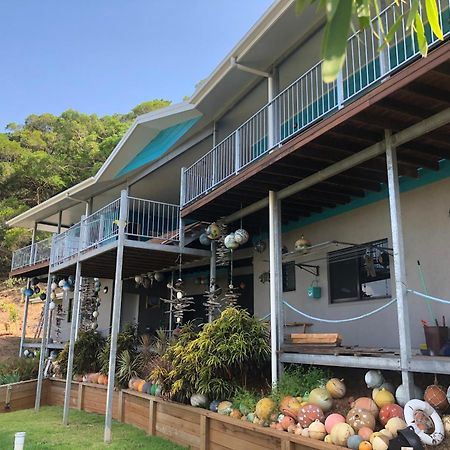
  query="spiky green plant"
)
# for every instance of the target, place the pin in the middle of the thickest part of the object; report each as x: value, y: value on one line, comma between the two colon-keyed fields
x: 224, y: 355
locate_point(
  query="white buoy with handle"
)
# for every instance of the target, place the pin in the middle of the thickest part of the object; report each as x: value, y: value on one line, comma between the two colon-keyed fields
x: 19, y: 440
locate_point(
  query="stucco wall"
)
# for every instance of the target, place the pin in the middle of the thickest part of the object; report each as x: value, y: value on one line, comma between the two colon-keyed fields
x: 426, y: 223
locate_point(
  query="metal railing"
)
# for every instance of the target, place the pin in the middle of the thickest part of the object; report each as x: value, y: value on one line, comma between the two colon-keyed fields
x: 100, y: 226
x: 308, y: 99
x: 31, y: 254
x: 146, y: 220
x: 65, y: 245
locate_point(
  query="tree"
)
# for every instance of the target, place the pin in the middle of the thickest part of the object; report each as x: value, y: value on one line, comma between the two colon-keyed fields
x: 342, y: 14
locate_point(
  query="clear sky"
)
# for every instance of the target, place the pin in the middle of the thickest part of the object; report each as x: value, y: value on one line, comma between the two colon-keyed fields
x: 106, y: 56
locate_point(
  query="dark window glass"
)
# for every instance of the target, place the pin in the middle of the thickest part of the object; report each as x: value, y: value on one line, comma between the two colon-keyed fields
x: 359, y: 273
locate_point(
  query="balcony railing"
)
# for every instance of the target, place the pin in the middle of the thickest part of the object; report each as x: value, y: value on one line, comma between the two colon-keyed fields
x: 308, y: 99
x: 147, y: 220
x: 31, y: 254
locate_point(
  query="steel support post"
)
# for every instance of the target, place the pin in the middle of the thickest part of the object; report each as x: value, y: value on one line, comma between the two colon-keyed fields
x: 275, y: 280
x: 212, y: 273
x: 77, y: 316
x: 43, y: 350
x: 73, y: 333
x: 182, y: 201
x: 399, y: 262
x: 25, y: 319
x: 123, y: 216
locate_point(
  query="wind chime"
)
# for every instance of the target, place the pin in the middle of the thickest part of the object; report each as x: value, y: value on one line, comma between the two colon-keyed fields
x: 226, y: 244
x: 90, y: 302
x: 178, y: 300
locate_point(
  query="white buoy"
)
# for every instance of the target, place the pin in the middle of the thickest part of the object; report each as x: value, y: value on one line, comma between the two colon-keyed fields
x: 19, y: 440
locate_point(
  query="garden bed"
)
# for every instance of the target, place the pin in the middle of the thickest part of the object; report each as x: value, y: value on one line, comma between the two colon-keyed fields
x: 195, y: 428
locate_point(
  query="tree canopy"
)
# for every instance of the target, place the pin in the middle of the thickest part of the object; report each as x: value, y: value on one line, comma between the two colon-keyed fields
x: 47, y: 154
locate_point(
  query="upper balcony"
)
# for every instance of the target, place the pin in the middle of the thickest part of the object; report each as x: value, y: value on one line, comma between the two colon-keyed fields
x: 307, y: 101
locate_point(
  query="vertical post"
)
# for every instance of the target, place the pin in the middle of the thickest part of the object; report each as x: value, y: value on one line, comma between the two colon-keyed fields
x: 399, y: 262
x: 73, y: 333
x: 237, y: 151
x: 204, y: 432
x: 275, y: 279
x: 123, y: 215
x: 214, y: 156
x: 33, y: 246
x: 25, y: 319
x: 182, y: 201
x: 80, y: 396
x: 43, y: 350
x: 212, y: 273
x: 340, y: 90
x: 152, y: 417
x: 271, y: 126
x: 82, y: 242
x: 383, y: 53
x: 59, y: 220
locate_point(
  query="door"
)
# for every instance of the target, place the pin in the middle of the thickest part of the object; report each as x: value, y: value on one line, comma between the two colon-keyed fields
x: 129, y: 312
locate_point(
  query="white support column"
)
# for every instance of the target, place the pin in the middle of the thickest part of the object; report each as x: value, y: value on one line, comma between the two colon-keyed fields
x: 43, y: 350
x: 182, y: 198
x: 275, y: 280
x: 399, y: 262
x: 73, y: 333
x: 33, y: 247
x: 123, y: 216
x: 76, y: 318
x: 272, y: 89
x: 237, y: 151
x: 25, y: 319
x: 212, y: 272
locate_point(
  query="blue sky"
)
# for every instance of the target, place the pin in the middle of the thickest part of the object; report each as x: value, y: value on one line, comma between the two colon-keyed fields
x: 106, y: 56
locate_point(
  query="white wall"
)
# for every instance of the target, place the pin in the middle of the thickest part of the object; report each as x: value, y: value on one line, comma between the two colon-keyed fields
x: 426, y: 222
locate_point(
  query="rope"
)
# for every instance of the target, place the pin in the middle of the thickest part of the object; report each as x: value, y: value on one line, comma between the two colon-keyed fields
x: 429, y: 297
x: 351, y: 319
x: 265, y: 317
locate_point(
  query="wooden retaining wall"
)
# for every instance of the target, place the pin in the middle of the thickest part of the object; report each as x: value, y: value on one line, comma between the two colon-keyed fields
x: 21, y: 395
x: 195, y: 428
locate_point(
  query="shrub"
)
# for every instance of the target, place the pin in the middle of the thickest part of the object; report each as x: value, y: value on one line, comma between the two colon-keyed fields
x: 225, y: 355
x: 18, y: 369
x: 88, y: 346
x: 298, y: 381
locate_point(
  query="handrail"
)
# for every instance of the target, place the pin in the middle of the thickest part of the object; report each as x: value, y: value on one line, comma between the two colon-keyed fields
x: 31, y: 254
x: 307, y: 100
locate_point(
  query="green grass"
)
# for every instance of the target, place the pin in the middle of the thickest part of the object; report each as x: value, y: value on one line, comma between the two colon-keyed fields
x: 46, y: 431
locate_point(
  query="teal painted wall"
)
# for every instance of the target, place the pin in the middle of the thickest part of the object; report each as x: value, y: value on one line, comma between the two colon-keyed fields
x: 158, y: 146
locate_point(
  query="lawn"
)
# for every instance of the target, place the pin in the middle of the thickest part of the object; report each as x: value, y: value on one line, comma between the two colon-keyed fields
x: 46, y: 431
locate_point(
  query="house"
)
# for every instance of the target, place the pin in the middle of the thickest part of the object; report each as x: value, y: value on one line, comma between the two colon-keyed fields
x: 359, y: 168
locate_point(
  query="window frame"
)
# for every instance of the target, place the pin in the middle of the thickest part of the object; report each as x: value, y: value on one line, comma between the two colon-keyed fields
x: 359, y: 298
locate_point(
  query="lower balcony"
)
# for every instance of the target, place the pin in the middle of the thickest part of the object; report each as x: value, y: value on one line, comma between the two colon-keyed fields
x: 152, y: 240
x: 31, y: 260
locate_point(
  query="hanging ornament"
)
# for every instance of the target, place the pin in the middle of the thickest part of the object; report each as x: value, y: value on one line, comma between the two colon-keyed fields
x: 26, y: 353
x: 230, y: 242
x: 105, y: 290
x: 204, y: 239
x: 70, y: 279
x: 213, y: 231
x: 95, y: 314
x: 213, y: 301
x: 231, y: 296
x: 37, y: 289
x: 61, y: 283
x: 138, y: 279
x: 241, y: 236
x: 302, y: 244
x: 159, y: 276
x: 260, y: 246
x: 43, y: 296
x: 51, y: 306
x: 53, y: 286
x: 28, y: 292
x: 180, y: 302
x: 34, y: 281
x: 66, y: 286
x: 94, y: 325
x: 53, y: 295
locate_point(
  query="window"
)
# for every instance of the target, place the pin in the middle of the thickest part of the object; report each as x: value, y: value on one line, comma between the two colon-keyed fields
x: 359, y: 273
